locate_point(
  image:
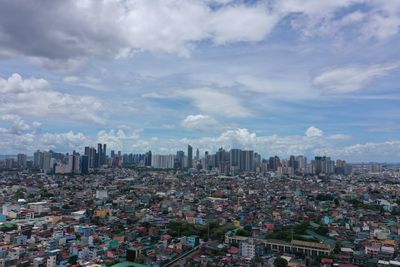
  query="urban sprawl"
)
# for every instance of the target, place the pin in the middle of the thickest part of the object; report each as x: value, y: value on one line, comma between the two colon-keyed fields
x: 230, y: 208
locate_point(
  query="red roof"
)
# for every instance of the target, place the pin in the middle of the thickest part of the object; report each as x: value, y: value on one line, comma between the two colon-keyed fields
x: 327, y: 261
x: 233, y: 250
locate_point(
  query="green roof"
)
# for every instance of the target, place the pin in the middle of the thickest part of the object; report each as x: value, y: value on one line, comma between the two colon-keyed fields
x: 128, y: 264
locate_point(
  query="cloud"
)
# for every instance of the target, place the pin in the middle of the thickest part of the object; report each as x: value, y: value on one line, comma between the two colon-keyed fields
x: 199, y: 122
x: 211, y: 101
x: 118, y: 139
x: 313, y: 131
x: 351, y: 78
x: 18, y: 125
x: 34, y: 97
x: 66, y: 141
x: 70, y: 30
x: 388, y: 151
x: 228, y: 24
x: 373, y: 19
x: 66, y: 33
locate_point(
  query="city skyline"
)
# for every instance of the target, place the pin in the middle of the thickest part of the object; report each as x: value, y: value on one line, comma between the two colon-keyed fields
x: 320, y: 79
x: 224, y: 162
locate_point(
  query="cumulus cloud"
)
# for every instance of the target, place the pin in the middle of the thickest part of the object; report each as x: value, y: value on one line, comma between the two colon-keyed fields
x: 18, y: 125
x: 34, y: 97
x: 313, y: 131
x: 118, y: 139
x: 199, y: 122
x: 68, y: 140
x: 351, y: 78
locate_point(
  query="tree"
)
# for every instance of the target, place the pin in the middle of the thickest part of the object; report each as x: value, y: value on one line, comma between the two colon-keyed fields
x: 336, y: 250
x: 19, y: 193
x: 73, y: 259
x: 280, y: 262
x: 243, y: 232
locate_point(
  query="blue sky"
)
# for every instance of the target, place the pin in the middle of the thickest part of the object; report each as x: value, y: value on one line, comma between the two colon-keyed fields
x: 317, y: 78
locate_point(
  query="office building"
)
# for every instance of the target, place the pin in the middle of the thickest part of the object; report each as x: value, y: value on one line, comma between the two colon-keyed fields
x: 190, y: 157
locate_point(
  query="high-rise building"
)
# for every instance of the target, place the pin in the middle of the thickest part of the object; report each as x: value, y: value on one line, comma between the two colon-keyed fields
x: 246, y: 161
x: 99, y: 154
x: 46, y: 166
x: 221, y: 157
x: 21, y: 160
x: 84, y: 164
x: 301, y: 163
x: 148, y: 159
x: 104, y: 157
x: 323, y: 165
x: 179, y: 160
x: 38, y: 159
x: 77, y: 165
x: 274, y: 163
x: 292, y: 162
x: 190, y: 157
x: 197, y: 154
x: 163, y: 161
x: 90, y: 152
x: 235, y: 156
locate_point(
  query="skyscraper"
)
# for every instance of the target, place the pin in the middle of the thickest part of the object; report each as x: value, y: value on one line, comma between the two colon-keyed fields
x: 246, y: 161
x: 292, y: 162
x: 190, y: 157
x: 38, y: 159
x: 84, y: 164
x: 147, y: 159
x: 46, y: 166
x: 179, y: 160
x: 163, y: 161
x: 301, y: 163
x: 21, y: 160
x: 235, y: 156
x: 323, y: 165
x: 99, y: 154
x: 104, y: 157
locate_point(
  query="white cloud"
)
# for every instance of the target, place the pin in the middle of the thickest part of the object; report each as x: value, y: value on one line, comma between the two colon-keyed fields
x: 69, y: 32
x: 15, y: 85
x: 351, y: 78
x: 199, y: 122
x: 313, y: 131
x: 118, y: 139
x: 229, y: 24
x: 34, y: 97
x: 211, y: 101
x: 66, y: 141
x: 388, y: 151
x: 18, y: 125
x: 122, y: 28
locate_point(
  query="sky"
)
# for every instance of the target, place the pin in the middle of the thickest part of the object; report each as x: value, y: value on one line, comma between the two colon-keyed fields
x: 277, y: 76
